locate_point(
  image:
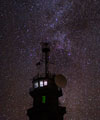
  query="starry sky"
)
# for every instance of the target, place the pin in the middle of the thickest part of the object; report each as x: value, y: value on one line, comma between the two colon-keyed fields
x: 73, y: 29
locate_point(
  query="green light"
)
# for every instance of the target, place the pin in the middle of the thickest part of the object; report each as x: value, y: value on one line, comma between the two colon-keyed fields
x: 44, y: 99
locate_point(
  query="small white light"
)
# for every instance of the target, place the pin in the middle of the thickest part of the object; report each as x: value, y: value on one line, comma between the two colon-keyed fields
x: 45, y: 83
x: 36, y: 85
x: 41, y: 83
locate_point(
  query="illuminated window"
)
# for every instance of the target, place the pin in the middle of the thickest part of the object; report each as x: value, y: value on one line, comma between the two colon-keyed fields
x: 41, y: 83
x: 36, y: 85
x: 45, y: 83
x: 44, y: 99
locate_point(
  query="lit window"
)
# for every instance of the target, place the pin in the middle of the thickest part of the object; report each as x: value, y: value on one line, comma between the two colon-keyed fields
x: 44, y: 99
x: 45, y: 83
x: 41, y: 83
x: 36, y: 85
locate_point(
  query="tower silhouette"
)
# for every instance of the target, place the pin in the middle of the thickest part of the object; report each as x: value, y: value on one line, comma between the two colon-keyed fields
x: 45, y: 93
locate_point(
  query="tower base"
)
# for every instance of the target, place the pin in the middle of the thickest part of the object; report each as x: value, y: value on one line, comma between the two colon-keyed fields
x: 47, y: 114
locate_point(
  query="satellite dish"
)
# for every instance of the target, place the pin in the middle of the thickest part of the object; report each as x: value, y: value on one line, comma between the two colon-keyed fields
x: 60, y: 81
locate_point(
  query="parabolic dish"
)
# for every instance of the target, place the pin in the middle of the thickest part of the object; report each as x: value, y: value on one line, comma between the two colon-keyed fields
x: 60, y: 81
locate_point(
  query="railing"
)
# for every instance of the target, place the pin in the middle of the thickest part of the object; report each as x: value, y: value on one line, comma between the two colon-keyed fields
x: 50, y: 75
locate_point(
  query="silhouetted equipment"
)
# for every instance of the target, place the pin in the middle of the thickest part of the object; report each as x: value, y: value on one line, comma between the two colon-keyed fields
x: 45, y: 91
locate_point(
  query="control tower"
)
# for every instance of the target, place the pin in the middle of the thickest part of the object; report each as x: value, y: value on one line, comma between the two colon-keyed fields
x: 45, y: 92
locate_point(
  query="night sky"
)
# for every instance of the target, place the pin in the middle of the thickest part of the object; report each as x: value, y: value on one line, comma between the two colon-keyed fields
x: 73, y: 28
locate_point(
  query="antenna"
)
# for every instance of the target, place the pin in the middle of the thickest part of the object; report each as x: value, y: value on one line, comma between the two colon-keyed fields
x: 46, y: 50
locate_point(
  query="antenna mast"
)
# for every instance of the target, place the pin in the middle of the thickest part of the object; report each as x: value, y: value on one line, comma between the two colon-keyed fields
x: 46, y: 50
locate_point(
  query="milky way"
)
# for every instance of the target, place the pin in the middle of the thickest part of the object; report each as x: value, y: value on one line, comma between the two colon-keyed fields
x: 73, y: 28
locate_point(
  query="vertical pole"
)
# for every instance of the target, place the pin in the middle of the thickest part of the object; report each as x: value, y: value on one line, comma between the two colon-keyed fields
x: 46, y: 63
x: 46, y: 50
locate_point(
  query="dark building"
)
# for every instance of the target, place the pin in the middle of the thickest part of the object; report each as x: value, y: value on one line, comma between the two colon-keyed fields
x: 45, y: 94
